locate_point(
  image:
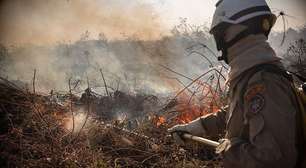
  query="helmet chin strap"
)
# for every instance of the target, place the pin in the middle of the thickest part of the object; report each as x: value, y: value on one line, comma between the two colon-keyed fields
x: 223, y: 57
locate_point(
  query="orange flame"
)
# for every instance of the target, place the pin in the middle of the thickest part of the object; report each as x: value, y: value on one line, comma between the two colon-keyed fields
x: 192, y: 108
x: 160, y: 121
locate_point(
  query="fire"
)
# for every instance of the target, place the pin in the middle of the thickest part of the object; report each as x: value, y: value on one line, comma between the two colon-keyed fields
x: 160, y: 121
x: 192, y: 108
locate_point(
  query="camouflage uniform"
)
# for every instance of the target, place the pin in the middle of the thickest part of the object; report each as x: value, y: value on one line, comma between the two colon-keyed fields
x: 260, y: 123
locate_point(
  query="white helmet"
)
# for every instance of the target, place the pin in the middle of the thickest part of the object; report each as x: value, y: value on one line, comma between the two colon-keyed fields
x: 238, y: 11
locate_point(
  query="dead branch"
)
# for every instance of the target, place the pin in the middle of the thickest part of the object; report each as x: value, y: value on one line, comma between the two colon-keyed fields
x: 203, y: 56
x: 34, y: 77
x: 195, y: 80
x: 70, y: 108
x: 105, y: 85
x: 175, y: 72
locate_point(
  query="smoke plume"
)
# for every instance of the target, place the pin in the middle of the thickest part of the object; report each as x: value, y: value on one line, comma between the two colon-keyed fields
x: 50, y: 21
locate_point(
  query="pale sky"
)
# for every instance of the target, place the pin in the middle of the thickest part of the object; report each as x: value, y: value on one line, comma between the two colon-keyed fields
x: 201, y: 11
x: 50, y: 21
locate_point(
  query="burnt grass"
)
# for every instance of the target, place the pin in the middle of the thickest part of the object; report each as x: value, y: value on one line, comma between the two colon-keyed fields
x: 33, y: 134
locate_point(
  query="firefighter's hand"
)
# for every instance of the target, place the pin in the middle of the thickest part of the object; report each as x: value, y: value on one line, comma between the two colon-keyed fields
x: 195, y: 127
x: 226, y: 144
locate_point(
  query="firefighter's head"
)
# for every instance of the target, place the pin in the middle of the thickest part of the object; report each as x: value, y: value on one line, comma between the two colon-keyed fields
x: 236, y: 19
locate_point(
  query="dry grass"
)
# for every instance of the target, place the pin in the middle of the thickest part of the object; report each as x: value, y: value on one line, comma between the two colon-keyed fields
x: 33, y: 135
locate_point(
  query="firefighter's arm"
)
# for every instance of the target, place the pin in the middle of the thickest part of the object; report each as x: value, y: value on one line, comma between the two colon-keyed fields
x: 215, y: 124
x: 210, y: 125
x: 270, y: 114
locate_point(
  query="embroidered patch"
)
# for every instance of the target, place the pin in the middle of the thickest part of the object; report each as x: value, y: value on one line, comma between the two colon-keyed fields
x: 256, y: 103
x: 253, y: 91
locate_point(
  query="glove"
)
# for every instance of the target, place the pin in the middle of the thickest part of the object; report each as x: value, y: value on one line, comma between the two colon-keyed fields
x: 195, y: 127
x: 226, y: 144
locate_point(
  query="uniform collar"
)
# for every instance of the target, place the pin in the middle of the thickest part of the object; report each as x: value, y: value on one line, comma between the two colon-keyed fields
x: 247, y: 53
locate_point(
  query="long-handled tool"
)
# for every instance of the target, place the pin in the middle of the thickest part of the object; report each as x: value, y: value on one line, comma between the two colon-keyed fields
x: 201, y: 140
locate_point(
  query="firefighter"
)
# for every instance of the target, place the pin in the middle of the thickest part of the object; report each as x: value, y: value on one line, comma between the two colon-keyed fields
x: 259, y: 125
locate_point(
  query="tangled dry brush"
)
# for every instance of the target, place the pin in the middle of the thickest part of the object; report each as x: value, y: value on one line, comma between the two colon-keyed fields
x: 33, y: 134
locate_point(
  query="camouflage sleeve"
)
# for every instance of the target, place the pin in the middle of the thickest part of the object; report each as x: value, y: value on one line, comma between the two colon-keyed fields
x: 270, y: 113
x: 214, y: 124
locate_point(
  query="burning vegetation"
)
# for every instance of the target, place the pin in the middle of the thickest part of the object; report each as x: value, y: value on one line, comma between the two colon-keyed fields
x: 116, y: 121
x: 108, y: 102
x: 113, y: 130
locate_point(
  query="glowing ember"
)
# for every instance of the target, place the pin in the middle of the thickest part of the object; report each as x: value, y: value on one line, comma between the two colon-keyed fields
x: 160, y: 121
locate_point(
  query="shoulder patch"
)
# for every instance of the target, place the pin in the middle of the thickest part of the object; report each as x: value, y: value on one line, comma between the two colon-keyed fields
x: 253, y: 91
x: 254, y: 98
x: 256, y: 104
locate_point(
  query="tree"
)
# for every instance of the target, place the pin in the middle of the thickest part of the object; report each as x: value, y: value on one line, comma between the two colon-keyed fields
x: 296, y: 56
x: 85, y: 36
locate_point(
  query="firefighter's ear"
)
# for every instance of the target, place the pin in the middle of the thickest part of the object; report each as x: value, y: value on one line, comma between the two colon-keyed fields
x: 266, y: 25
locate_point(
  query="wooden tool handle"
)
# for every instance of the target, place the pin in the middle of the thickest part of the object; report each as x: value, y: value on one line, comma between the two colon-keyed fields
x: 201, y: 140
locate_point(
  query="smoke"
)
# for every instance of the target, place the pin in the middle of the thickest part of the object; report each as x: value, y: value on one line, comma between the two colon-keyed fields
x: 78, y: 122
x: 74, y: 39
x: 129, y: 65
x: 302, y: 4
x: 49, y: 21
